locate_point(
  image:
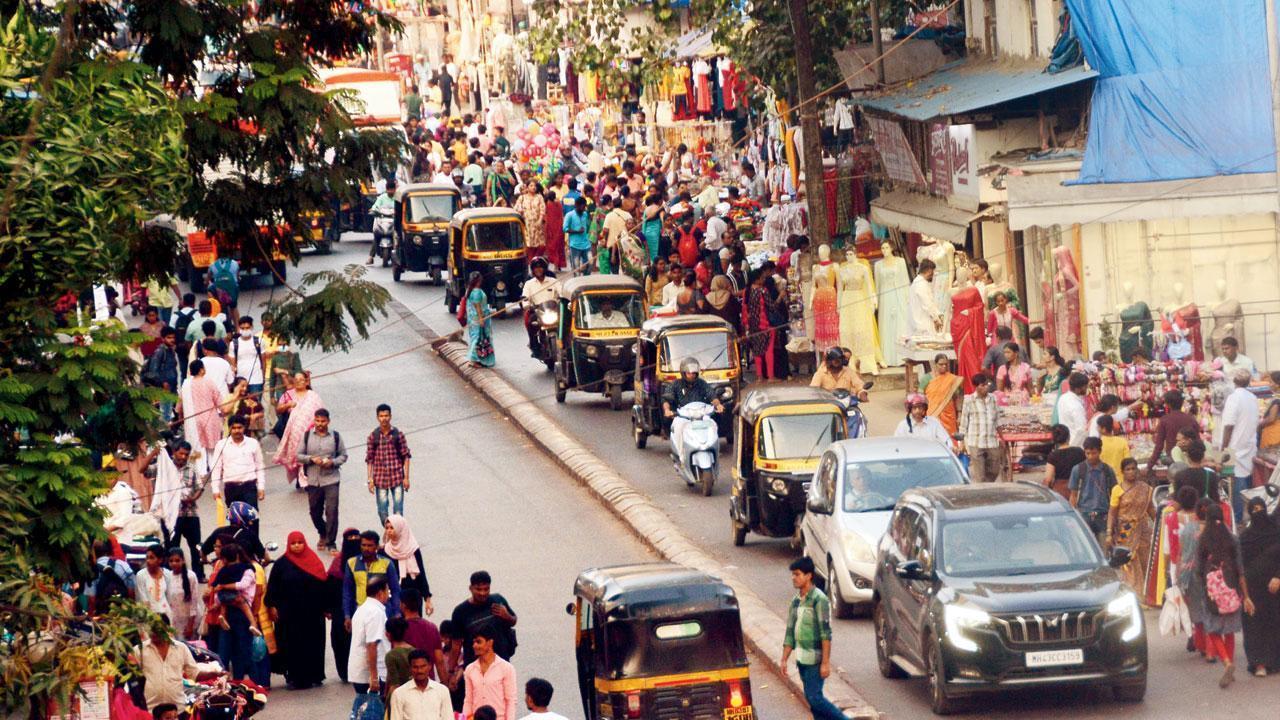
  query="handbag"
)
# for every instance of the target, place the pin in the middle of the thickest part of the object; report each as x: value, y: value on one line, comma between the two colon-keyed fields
x: 282, y: 420
x: 484, y: 346
x: 259, y: 649
x: 1224, y: 597
x: 367, y: 707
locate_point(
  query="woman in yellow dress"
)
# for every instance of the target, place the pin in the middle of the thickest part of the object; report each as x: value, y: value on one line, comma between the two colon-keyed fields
x: 1130, y: 523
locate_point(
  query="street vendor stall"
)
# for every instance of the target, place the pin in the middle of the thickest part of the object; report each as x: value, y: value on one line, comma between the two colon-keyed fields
x: 1019, y: 428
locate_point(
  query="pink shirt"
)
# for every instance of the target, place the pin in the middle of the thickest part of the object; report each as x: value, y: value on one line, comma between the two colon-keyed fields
x: 495, y: 688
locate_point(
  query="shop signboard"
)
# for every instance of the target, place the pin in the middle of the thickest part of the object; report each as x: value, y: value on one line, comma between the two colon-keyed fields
x: 962, y: 160
x: 895, y: 154
x: 939, y: 160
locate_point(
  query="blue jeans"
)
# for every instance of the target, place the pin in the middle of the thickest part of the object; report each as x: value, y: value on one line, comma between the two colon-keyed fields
x: 389, y: 496
x: 235, y: 646
x: 819, y: 705
x: 579, y: 258
x: 1239, y: 485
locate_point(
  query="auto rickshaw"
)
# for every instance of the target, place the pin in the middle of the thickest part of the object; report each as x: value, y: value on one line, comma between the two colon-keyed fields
x: 423, y: 212
x: 659, y: 641
x: 779, y: 433
x: 600, y: 316
x: 662, y: 344
x: 489, y: 241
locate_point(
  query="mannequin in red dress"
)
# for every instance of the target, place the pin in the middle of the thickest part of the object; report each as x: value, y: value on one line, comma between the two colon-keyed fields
x: 968, y: 334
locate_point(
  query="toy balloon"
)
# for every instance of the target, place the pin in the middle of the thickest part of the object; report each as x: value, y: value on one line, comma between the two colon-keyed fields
x: 540, y: 140
x: 554, y: 143
x: 531, y: 125
x: 549, y: 129
x: 518, y: 144
x: 522, y: 134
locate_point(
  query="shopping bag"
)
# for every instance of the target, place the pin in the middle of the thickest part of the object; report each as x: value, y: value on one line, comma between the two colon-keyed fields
x: 367, y: 707
x: 1175, y: 618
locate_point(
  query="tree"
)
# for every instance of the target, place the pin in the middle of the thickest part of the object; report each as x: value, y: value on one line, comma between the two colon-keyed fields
x: 600, y: 33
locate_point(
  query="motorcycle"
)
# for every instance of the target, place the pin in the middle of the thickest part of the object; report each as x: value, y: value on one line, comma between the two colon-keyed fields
x: 547, y: 317
x: 701, y: 439
x: 857, y: 421
x: 383, y: 232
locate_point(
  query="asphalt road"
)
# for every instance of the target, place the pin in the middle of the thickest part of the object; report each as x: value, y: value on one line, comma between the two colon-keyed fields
x: 1180, y: 684
x: 482, y: 498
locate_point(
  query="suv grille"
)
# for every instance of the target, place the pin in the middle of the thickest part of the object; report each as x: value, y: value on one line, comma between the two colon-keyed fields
x: 1067, y: 627
x: 690, y: 702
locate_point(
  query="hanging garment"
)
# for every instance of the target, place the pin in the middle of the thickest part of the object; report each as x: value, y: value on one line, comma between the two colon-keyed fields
x: 1135, y: 317
x: 892, y: 282
x: 1050, y: 317
x: 826, y: 309
x: 1188, y: 316
x: 858, y: 316
x: 829, y: 194
x: 728, y: 84
x: 702, y: 86
x: 968, y: 333
x: 1066, y: 301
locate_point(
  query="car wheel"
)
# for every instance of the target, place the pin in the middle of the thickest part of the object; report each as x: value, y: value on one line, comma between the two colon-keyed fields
x: 940, y: 701
x: 1131, y: 693
x: 739, y: 531
x: 888, y: 668
x: 839, y: 607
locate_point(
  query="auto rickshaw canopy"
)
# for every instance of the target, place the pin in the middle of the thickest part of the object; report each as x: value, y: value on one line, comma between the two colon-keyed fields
x: 653, y: 591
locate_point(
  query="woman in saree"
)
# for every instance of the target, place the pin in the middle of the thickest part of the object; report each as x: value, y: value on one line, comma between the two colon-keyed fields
x: 301, y: 402
x: 944, y: 393
x: 1131, y: 518
x: 294, y: 593
x: 479, y: 326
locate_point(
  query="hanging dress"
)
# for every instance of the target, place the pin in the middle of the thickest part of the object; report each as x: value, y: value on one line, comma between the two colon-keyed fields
x: 857, y: 316
x: 892, y: 283
x: 1066, y: 308
x: 826, y: 308
x: 968, y: 334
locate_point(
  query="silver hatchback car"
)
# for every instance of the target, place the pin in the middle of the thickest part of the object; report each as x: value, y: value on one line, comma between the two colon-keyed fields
x: 850, y: 501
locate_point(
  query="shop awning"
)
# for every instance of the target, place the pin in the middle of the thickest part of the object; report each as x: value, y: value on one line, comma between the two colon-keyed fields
x: 924, y: 214
x: 971, y: 85
x: 1044, y: 201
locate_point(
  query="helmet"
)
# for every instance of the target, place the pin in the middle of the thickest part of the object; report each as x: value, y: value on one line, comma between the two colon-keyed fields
x: 538, y: 262
x: 690, y: 365
x: 916, y: 399
x: 835, y: 354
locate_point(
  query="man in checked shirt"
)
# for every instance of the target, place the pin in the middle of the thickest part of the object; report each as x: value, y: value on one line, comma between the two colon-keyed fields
x: 387, y: 457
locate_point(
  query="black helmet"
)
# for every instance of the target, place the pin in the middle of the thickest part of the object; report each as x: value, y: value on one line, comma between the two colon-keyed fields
x: 538, y: 262
x: 835, y: 354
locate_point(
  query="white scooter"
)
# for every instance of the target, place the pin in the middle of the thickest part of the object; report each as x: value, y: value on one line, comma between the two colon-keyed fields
x: 383, y: 232
x: 700, y: 440
x: 857, y: 421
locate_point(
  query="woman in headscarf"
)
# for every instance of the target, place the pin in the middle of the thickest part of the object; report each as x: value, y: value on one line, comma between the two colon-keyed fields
x: 297, y: 579
x: 722, y: 303
x: 301, y: 402
x: 1260, y: 553
x: 339, y: 637
x: 479, y: 325
x: 400, y: 545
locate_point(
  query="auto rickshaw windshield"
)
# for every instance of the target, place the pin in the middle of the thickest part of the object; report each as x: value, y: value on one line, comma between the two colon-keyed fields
x: 598, y: 311
x: 641, y: 648
x: 710, y: 349
x: 430, y: 208
x: 790, y: 437
x: 494, y: 237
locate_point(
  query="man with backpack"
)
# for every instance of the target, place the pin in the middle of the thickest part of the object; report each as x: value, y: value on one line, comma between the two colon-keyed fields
x: 112, y: 579
x: 247, y: 357
x: 387, y: 458
x: 321, y: 456
x: 224, y: 275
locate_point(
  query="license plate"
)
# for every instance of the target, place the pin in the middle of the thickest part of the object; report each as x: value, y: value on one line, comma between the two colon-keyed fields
x: 1055, y: 658
x: 742, y: 713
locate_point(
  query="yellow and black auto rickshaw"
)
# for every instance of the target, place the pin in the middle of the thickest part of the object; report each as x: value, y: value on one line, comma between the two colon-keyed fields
x: 659, y: 641
x: 489, y: 241
x: 600, y: 316
x: 423, y: 212
x: 662, y: 344
x: 779, y: 434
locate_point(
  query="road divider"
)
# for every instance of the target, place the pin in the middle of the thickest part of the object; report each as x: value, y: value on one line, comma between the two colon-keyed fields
x: 762, y: 628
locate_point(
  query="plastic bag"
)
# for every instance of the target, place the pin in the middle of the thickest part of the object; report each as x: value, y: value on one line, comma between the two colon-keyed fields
x: 1175, y: 618
x: 367, y: 707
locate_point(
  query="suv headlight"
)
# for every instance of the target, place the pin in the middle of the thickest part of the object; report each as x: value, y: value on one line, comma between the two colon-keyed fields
x: 1126, y: 606
x: 959, y: 618
x: 856, y: 549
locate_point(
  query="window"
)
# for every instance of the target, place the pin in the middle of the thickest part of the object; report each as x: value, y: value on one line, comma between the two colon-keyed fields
x: 1017, y: 545
x: 877, y: 485
x: 823, y: 489
x: 711, y: 350
x: 787, y: 437
x: 902, y: 531
x: 598, y: 311
x: 678, y: 631
x: 428, y: 208
x: 495, y: 237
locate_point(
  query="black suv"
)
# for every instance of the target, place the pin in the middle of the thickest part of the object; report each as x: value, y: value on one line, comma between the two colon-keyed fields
x: 994, y: 586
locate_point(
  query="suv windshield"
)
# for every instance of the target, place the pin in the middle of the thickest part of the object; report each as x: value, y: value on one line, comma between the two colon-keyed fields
x: 598, y: 311
x: 876, y: 485
x: 787, y: 437
x: 494, y: 237
x: 426, y: 208
x: 710, y: 348
x: 1016, y: 545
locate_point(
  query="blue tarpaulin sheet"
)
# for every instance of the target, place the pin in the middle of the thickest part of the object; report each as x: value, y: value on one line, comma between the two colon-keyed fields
x: 1183, y: 90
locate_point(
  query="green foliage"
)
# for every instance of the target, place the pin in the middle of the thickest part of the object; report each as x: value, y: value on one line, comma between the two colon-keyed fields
x: 319, y: 319
x: 600, y: 33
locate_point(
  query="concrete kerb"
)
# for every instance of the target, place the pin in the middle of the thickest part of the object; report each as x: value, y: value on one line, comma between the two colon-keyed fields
x: 762, y: 628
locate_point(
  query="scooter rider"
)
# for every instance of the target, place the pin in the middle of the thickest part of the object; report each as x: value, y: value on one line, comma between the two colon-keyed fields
x: 385, y: 200
x: 835, y: 374
x: 689, y: 388
x: 538, y: 289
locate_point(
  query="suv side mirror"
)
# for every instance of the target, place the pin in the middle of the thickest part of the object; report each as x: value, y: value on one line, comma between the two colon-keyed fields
x: 1120, y: 556
x: 910, y: 570
x: 815, y: 505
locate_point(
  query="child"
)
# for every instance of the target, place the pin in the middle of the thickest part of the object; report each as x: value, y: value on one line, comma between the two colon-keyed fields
x: 398, y: 656
x: 234, y: 586
x: 1115, y: 447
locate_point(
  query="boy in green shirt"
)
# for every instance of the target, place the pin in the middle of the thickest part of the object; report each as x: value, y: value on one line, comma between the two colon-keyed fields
x: 398, y: 656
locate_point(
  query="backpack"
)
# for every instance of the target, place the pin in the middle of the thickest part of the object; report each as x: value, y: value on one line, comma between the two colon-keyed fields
x: 221, y: 274
x: 184, y: 322
x: 108, y: 586
x: 257, y: 353
x: 391, y: 438
x: 687, y: 246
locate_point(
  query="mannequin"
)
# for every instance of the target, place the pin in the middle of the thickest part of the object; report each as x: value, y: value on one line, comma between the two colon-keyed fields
x: 942, y: 254
x: 1187, y: 315
x: 1000, y: 285
x: 1135, y: 324
x: 857, y: 305
x: 1228, y: 320
x: 1066, y: 302
x: 891, y: 280
x: 825, y: 303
